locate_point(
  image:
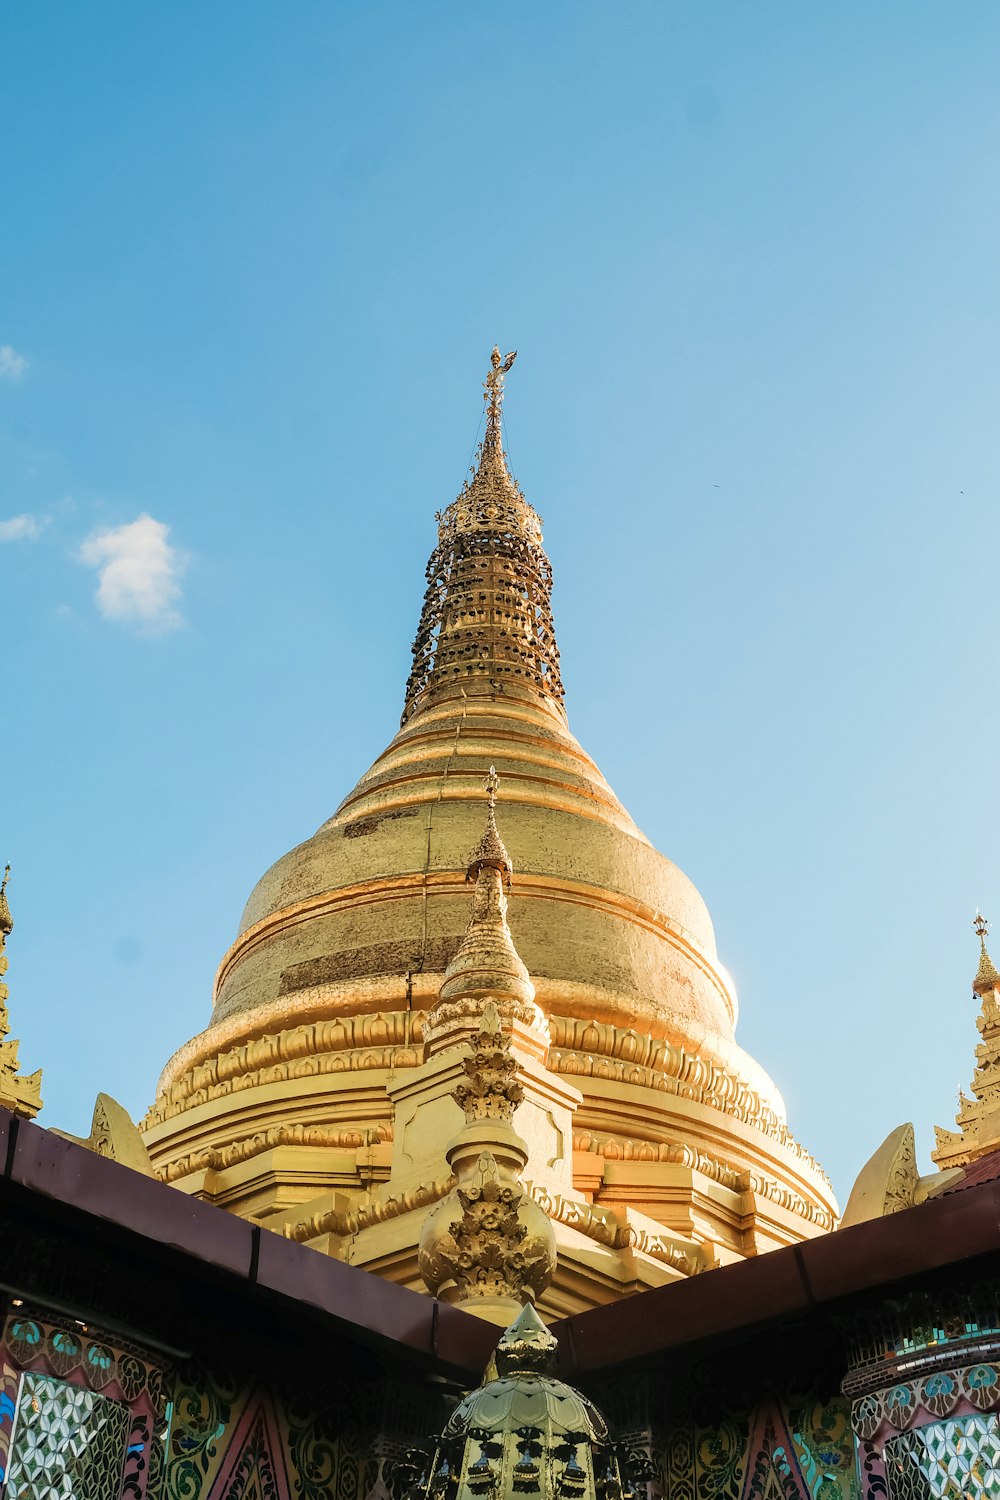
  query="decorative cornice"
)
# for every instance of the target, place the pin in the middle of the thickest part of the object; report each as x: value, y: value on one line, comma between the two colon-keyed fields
x: 394, y: 1039
x: 679, y: 1153
x: 218, y: 1158
x: 336, y: 1222
x: 378, y: 1039
x: 597, y: 1049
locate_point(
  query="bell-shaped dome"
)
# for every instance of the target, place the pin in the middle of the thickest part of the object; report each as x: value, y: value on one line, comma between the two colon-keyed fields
x: 345, y: 942
x: 524, y: 1432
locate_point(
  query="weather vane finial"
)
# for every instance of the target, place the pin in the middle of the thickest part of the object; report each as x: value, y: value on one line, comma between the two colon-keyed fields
x: 493, y: 389
x: 981, y: 926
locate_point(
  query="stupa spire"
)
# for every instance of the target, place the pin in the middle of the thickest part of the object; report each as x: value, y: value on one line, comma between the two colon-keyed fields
x: 978, y: 1117
x: 490, y: 852
x: 22, y: 1094
x: 986, y: 975
x: 486, y: 624
x: 487, y: 966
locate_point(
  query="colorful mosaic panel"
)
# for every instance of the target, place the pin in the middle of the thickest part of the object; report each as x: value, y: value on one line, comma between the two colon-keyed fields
x: 68, y: 1443
x: 956, y: 1460
x: 913, y: 1403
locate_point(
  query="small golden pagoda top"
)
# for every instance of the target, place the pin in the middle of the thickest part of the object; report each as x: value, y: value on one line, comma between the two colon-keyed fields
x: 490, y: 852
x: 978, y: 1117
x: 987, y: 975
x: 6, y: 920
x: 20, y: 1093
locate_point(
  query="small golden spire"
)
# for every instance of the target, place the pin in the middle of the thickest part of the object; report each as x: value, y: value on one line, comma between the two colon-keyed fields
x: 18, y: 1092
x: 6, y: 920
x: 490, y: 852
x: 486, y: 965
x: 986, y: 975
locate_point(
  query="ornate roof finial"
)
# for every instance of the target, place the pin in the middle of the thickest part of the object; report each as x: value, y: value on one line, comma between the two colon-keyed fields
x: 487, y: 616
x: 978, y: 1117
x: 490, y: 852
x: 22, y: 1094
x: 986, y: 975
x: 493, y: 393
x: 6, y: 920
x: 488, y: 1246
x: 486, y: 965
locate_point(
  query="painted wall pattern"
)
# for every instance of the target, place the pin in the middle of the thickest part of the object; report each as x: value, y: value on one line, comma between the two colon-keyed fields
x: 86, y: 1417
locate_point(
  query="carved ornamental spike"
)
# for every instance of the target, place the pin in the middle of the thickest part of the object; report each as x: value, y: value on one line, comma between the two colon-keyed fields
x: 490, y: 851
x: 488, y: 1246
x: 18, y: 1092
x: 487, y: 966
x: 487, y: 612
x: 490, y: 1089
x: 978, y: 1117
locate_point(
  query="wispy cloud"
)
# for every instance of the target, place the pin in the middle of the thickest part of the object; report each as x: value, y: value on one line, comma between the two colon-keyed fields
x: 21, y: 529
x: 138, y: 575
x: 12, y: 364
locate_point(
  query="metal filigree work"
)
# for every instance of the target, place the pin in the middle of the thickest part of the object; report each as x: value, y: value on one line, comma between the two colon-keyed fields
x: 487, y: 611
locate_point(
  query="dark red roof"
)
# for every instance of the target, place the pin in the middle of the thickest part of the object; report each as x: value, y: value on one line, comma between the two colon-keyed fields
x: 784, y: 1285
x: 183, y: 1231
x: 983, y: 1169
x: 720, y: 1306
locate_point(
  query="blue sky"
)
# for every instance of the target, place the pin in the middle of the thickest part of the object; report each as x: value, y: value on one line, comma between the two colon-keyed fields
x: 254, y: 260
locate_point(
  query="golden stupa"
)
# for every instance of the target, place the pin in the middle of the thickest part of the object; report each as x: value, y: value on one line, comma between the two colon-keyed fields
x: 318, y: 1102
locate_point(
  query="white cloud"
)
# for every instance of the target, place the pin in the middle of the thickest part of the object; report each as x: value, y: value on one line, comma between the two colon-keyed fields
x: 12, y: 364
x: 139, y: 574
x: 21, y: 529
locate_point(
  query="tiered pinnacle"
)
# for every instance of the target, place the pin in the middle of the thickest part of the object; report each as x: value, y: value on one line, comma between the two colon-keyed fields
x: 23, y: 1095
x: 978, y: 1117
x: 487, y: 968
x: 487, y: 614
x: 487, y: 1246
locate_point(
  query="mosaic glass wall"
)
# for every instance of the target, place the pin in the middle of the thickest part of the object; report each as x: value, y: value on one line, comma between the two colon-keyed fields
x: 82, y: 1419
x: 956, y: 1460
x: 66, y: 1442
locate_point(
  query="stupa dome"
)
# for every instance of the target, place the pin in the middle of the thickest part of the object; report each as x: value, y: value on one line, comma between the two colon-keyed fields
x: 319, y: 1004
